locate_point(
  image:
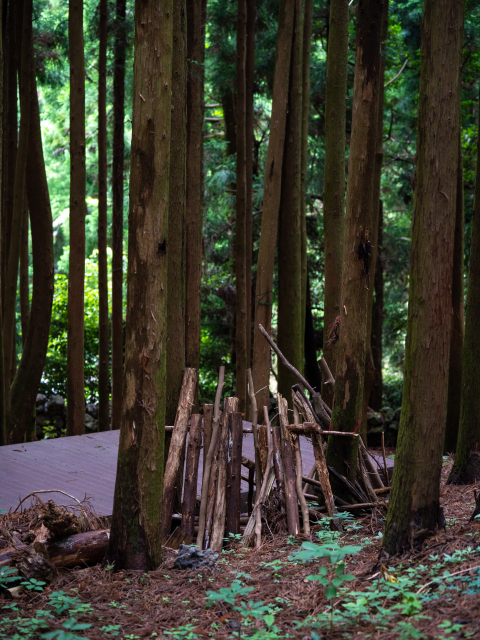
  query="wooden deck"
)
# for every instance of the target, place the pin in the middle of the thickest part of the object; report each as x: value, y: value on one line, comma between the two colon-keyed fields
x: 82, y: 465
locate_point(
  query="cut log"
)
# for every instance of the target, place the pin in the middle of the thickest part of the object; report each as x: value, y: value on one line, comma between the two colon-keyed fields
x: 191, y: 474
x: 234, y: 473
x: 291, y: 504
x: 177, y: 444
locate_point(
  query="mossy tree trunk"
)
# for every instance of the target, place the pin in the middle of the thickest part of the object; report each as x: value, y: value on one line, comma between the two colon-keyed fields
x: 271, y: 202
x: 76, y: 262
x: 290, y: 334
x: 352, y: 343
x: 29, y: 372
x: 118, y: 156
x: 196, y: 17
x: 369, y: 363
x: 103, y: 329
x: 458, y: 320
x: 176, y: 217
x: 334, y: 176
x: 241, y: 213
x: 136, y: 540
x: 3, y: 433
x: 466, y: 468
x: 414, y: 507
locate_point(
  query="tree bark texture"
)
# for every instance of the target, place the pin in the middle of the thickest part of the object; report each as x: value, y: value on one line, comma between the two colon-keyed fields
x: 24, y: 293
x: 3, y: 58
x: 334, y: 175
x: 118, y: 154
x: 376, y: 392
x: 196, y: 17
x: 377, y: 177
x: 351, y: 346
x: 103, y: 329
x: 250, y: 142
x: 76, y: 263
x: 458, y: 319
x: 207, y: 430
x: 466, y: 468
x: 176, y: 214
x: 136, y: 540
x: 241, y: 214
x: 307, y: 38
x: 191, y: 474
x: 177, y: 445
x: 9, y: 310
x: 312, y: 370
x: 414, y: 506
x: 271, y: 201
x: 288, y: 461
x: 290, y: 331
x: 234, y: 473
x: 29, y: 373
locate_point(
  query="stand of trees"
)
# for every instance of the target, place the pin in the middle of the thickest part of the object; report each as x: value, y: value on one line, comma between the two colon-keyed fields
x: 272, y: 168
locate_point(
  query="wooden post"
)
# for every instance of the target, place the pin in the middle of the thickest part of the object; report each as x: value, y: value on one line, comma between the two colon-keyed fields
x: 211, y: 493
x: 288, y: 469
x: 254, y: 412
x: 250, y: 464
x: 191, y: 474
x: 207, y: 431
x: 177, y: 443
x: 277, y: 460
x: 298, y: 482
x: 234, y: 473
x: 262, y: 444
x: 218, y: 528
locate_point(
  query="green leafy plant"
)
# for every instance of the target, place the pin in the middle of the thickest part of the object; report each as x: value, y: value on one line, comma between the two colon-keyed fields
x: 66, y: 633
x: 33, y: 585
x: 7, y: 575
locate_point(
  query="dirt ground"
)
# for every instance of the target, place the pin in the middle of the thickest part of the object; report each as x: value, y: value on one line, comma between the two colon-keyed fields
x: 168, y: 603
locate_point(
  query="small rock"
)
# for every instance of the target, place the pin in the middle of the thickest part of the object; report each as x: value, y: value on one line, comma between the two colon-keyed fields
x: 92, y: 410
x: 90, y: 423
x: 233, y: 624
x: 55, y: 406
x: 193, y: 558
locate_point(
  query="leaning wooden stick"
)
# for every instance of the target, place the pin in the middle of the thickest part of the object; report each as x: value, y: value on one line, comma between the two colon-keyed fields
x: 191, y: 473
x: 372, y: 472
x: 327, y: 374
x: 314, y: 428
x: 208, y: 463
x: 177, y: 443
x: 258, y: 515
x: 300, y: 494
x: 254, y: 410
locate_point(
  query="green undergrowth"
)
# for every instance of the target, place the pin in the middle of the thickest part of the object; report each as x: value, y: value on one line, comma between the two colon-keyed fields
x: 394, y: 601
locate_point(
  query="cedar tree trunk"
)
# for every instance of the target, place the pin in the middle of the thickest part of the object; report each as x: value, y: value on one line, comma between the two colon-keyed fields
x: 136, y: 541
x: 240, y: 205
x: 352, y: 343
x: 29, y: 373
x: 414, y: 507
x: 76, y: 263
x: 176, y: 217
x: 196, y: 17
x: 290, y: 334
x: 118, y: 153
x: 24, y: 293
x: 466, y: 468
x: 376, y: 392
x: 249, y: 141
x: 3, y: 433
x: 334, y: 175
x: 103, y: 333
x: 271, y: 201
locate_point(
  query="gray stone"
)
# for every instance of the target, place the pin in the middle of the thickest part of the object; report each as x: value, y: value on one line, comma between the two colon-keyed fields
x: 40, y: 399
x: 55, y: 406
x: 193, y: 558
x: 90, y: 423
x: 42, y: 419
x: 92, y: 410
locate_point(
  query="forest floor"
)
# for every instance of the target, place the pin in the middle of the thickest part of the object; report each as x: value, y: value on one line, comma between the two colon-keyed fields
x: 433, y: 592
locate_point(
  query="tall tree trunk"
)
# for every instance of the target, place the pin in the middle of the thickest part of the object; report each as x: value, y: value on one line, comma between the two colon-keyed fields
x: 458, y: 322
x: 136, y: 540
x: 250, y: 141
x: 240, y: 205
x: 466, y: 468
x: 334, y: 176
x: 18, y: 200
x: 24, y: 293
x: 290, y: 334
x: 176, y: 216
x: 196, y: 17
x: 376, y: 392
x: 3, y: 58
x: 118, y: 150
x: 352, y: 343
x: 76, y: 262
x: 29, y: 373
x: 377, y: 177
x: 10, y: 140
x: 414, y: 507
x: 307, y: 38
x: 271, y: 201
x: 312, y: 370
x: 103, y: 333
